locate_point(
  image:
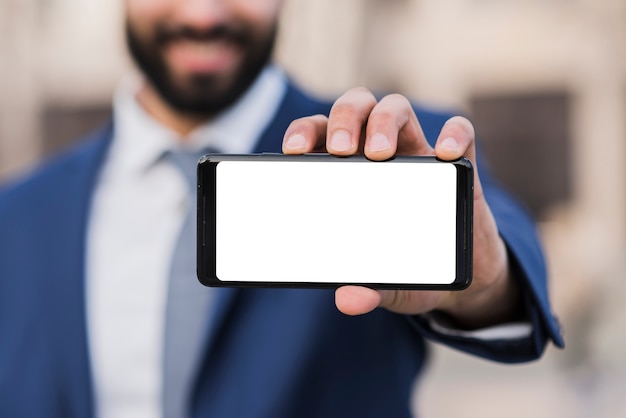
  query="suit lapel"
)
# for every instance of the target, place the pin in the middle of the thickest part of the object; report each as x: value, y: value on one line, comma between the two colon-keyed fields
x: 71, y: 187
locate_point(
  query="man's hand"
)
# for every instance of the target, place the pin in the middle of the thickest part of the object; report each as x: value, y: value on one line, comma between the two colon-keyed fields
x: 359, y: 124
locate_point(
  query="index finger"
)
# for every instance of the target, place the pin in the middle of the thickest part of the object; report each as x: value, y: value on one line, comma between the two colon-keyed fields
x: 347, y: 120
x: 339, y: 133
x: 393, y: 128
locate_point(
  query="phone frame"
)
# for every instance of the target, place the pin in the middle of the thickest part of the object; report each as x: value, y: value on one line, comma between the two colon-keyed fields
x: 206, y: 220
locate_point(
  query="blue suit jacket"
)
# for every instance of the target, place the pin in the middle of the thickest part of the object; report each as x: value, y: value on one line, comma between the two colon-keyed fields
x: 272, y: 353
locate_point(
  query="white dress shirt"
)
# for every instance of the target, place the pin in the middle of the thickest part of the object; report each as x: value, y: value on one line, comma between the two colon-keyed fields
x: 137, y: 211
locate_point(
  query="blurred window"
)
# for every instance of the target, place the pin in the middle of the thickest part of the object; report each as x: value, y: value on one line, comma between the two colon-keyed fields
x: 526, y: 139
x: 63, y: 125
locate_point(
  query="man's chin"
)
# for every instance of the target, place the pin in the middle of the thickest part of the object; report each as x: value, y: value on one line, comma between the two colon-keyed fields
x: 212, y: 83
x: 202, y: 97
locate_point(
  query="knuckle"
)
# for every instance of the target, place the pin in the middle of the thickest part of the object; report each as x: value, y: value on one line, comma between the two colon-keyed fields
x: 398, y: 99
x: 393, y: 110
x: 306, y: 125
x: 397, y: 300
x: 383, y: 118
x: 354, y: 102
x: 342, y: 109
x: 461, y: 125
x: 362, y: 93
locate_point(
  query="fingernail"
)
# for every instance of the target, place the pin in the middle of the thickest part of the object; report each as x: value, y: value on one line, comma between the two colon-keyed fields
x: 340, y: 141
x: 379, y: 142
x: 449, y: 144
x: 295, y: 142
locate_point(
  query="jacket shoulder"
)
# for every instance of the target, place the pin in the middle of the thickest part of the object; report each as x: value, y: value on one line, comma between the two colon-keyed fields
x: 56, y: 173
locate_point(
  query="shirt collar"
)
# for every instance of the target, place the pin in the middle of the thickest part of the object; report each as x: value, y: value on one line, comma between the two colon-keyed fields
x: 140, y: 140
x: 238, y: 129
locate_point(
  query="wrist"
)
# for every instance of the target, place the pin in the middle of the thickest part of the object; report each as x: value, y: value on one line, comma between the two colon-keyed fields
x: 500, y: 301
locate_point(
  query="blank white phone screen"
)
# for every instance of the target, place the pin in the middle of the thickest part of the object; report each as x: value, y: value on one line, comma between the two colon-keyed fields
x: 333, y: 222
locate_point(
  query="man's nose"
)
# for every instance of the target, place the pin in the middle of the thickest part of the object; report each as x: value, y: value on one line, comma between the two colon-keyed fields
x: 202, y: 14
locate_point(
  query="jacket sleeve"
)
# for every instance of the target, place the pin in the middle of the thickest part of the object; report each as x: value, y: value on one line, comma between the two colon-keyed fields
x: 526, y: 257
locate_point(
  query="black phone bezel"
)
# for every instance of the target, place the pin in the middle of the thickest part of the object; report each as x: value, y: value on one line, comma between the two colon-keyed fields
x: 206, y: 264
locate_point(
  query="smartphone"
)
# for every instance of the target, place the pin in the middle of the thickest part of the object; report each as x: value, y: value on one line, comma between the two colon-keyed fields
x: 316, y: 220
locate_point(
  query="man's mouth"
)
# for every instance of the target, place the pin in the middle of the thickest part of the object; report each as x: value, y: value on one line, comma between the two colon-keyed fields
x: 202, y: 56
x: 190, y: 50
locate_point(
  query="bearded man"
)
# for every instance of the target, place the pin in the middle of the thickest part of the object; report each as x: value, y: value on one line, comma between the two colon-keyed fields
x: 91, y: 301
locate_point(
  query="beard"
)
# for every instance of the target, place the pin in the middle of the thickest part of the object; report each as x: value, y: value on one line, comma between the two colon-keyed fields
x: 200, y: 95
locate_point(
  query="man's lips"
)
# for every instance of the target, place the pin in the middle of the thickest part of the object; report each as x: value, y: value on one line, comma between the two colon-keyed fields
x: 202, y: 56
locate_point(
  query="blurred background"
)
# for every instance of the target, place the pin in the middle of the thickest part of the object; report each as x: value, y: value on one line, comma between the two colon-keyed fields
x: 543, y: 81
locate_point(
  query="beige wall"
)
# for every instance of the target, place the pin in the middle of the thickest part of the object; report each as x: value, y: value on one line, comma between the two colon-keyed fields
x: 442, y: 53
x: 18, y: 92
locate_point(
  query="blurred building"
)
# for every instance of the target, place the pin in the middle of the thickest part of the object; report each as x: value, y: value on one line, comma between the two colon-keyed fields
x: 544, y: 82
